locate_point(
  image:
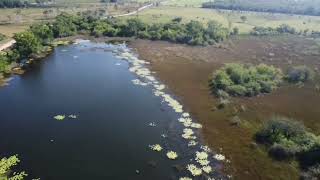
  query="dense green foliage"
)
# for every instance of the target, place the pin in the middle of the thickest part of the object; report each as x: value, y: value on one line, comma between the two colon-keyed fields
x: 245, y: 80
x: 43, y: 32
x: 6, y: 165
x: 282, y: 29
x: 287, y: 138
x: 193, y: 32
x: 306, y: 7
x: 26, y: 43
x: 299, y: 74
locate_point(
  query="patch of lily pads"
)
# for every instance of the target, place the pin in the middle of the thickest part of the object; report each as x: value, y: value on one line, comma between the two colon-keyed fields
x: 63, y: 117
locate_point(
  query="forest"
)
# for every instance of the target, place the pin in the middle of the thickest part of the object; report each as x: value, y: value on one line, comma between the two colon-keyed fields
x: 304, y: 7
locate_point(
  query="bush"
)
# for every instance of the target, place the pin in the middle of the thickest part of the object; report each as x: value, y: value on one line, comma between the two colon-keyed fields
x: 264, y: 31
x: 313, y: 173
x: 300, y: 74
x: 26, y: 44
x: 286, y: 138
x: 2, y: 37
x: 243, y: 80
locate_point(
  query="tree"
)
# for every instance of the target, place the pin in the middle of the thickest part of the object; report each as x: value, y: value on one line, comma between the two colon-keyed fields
x: 43, y: 32
x: 26, y: 43
x: 243, y: 18
x: 64, y: 25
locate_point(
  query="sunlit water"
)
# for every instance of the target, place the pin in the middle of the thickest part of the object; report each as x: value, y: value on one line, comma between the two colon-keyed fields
x: 110, y: 137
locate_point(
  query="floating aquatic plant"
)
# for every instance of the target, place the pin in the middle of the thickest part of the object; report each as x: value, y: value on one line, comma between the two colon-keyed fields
x: 59, y: 117
x: 196, y: 125
x: 185, y: 115
x: 207, y: 169
x: 202, y: 158
x: 172, y: 155
x: 72, y: 116
x: 201, y: 155
x: 186, y: 121
x: 156, y: 147
x: 219, y: 157
x: 206, y: 149
x: 192, y: 143
x: 194, y: 170
x: 152, y: 124
x: 185, y: 178
x: 188, y: 134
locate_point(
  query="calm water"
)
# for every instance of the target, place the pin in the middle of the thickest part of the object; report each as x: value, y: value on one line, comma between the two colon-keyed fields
x: 110, y: 137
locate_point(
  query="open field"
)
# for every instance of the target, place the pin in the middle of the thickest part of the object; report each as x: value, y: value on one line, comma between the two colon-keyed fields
x: 185, y: 3
x: 186, y: 71
x: 231, y: 18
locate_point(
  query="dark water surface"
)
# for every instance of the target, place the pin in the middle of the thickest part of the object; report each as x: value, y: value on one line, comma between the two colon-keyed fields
x: 110, y: 137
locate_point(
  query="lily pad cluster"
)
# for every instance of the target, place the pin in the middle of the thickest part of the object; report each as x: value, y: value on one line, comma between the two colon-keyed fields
x: 62, y: 117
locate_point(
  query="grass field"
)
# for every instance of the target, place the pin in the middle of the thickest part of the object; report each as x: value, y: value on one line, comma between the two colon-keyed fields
x: 185, y: 3
x: 230, y: 18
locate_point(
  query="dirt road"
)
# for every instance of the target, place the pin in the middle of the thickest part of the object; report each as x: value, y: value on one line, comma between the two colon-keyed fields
x: 7, y: 45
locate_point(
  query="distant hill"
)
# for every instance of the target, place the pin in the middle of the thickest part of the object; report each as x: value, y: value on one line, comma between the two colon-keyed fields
x: 305, y: 7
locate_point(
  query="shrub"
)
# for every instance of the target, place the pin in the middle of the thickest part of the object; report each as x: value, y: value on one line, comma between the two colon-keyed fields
x: 26, y: 43
x: 284, y: 28
x: 313, y: 173
x: 278, y: 128
x: 299, y: 74
x: 43, y: 32
x: 286, y: 138
x: 245, y: 80
x: 2, y: 37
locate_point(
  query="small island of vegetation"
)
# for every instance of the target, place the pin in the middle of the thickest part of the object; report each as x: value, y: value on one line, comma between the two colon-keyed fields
x: 245, y: 80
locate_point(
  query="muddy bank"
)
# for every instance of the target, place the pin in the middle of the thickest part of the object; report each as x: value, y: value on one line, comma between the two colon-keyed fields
x: 186, y: 71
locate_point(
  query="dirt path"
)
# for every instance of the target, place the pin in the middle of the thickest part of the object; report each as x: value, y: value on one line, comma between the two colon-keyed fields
x: 133, y: 12
x: 7, y: 45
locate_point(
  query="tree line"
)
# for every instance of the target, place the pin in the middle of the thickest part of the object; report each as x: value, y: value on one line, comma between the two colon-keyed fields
x: 40, y: 36
x: 304, y: 7
x: 21, y: 3
x: 13, y: 3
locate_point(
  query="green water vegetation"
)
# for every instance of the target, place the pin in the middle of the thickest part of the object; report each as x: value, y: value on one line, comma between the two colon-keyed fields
x: 245, y: 80
x: 59, y: 117
x: 6, y: 165
x: 300, y: 74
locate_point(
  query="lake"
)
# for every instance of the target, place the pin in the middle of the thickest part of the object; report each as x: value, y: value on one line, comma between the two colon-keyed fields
x: 119, y: 114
